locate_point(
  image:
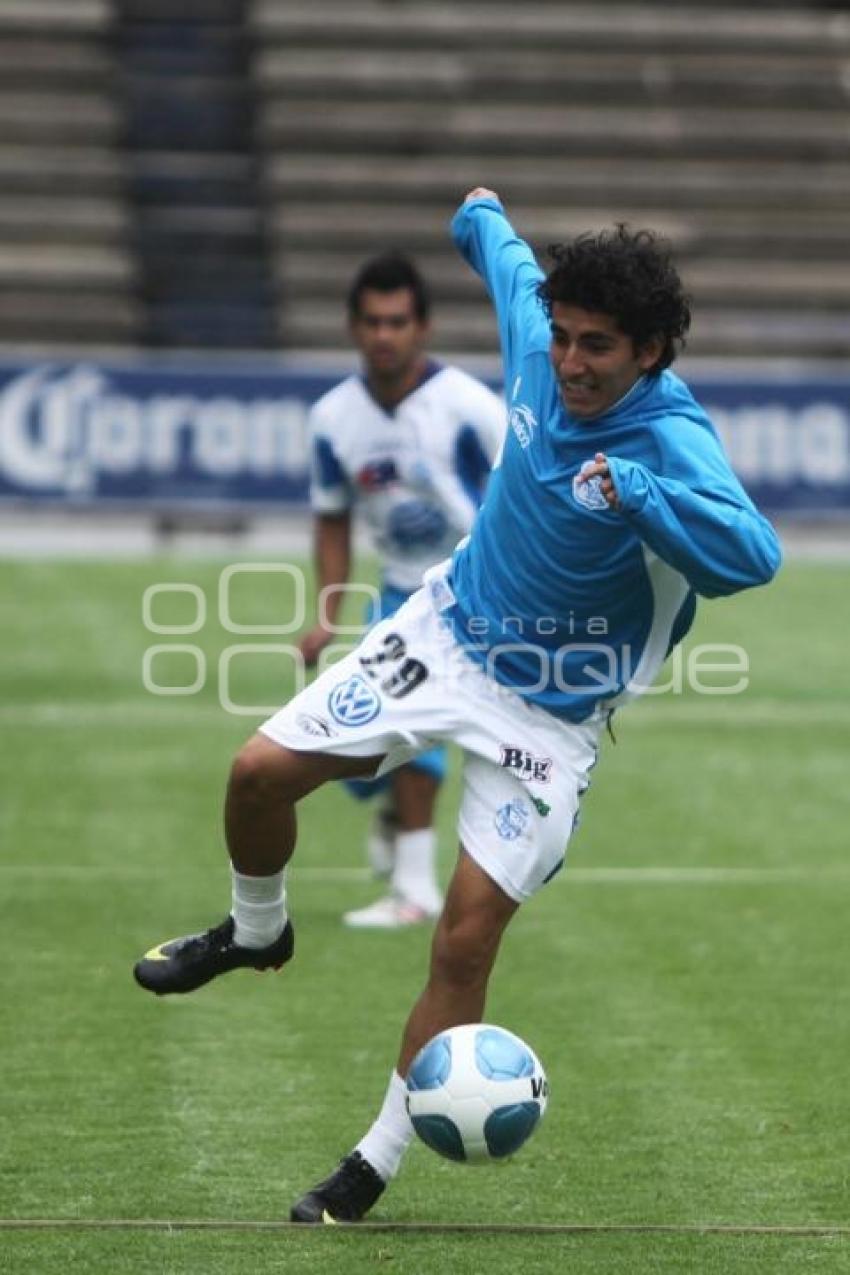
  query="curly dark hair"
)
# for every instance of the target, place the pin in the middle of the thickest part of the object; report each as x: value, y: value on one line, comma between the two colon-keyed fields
x: 628, y: 275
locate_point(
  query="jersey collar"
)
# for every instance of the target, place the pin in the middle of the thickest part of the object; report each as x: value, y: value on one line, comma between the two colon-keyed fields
x: 430, y: 370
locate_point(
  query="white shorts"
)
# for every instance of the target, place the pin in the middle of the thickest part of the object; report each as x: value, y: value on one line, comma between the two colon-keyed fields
x: 409, y: 686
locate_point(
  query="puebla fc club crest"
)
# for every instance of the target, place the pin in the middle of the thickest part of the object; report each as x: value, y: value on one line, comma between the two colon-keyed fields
x: 353, y: 703
x: 589, y: 494
x: 512, y: 820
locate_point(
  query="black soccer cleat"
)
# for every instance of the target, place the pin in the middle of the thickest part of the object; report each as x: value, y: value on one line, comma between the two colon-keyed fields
x: 346, y: 1196
x: 181, y: 965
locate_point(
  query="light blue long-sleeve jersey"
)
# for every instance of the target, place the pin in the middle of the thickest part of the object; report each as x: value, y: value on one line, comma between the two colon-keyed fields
x: 570, y: 603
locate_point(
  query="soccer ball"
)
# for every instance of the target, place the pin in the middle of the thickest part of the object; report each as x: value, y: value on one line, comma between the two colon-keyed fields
x: 476, y: 1093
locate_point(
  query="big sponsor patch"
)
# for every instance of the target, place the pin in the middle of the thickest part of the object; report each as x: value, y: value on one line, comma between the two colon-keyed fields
x: 526, y: 765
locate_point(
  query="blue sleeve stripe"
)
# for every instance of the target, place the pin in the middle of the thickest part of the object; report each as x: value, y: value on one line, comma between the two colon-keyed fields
x: 471, y: 463
x: 329, y: 472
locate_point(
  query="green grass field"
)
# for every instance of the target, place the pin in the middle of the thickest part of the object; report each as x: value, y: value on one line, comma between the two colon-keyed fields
x: 685, y: 981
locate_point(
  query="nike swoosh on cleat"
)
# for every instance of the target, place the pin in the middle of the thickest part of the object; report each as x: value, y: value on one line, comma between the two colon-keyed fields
x: 328, y: 1220
x: 156, y: 953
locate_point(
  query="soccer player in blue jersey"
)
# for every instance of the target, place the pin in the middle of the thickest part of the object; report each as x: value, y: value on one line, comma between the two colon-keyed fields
x: 613, y: 508
x: 407, y: 444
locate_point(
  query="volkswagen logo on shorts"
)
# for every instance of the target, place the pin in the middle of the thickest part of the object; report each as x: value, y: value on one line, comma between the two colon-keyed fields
x: 353, y: 703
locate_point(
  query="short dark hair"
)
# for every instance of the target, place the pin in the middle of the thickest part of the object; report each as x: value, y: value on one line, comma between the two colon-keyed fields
x: 628, y: 275
x: 387, y: 273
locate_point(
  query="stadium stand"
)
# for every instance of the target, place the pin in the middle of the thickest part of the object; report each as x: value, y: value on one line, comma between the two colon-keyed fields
x: 726, y: 128
x: 209, y: 174
x: 67, y: 271
x: 131, y: 214
x: 201, y: 245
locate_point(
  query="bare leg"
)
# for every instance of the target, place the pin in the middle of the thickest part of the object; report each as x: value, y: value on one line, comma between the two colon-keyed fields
x: 414, y: 794
x: 463, y: 952
x: 266, y: 781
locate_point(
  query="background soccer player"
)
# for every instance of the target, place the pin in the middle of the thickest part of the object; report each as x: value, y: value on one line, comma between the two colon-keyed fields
x: 409, y: 443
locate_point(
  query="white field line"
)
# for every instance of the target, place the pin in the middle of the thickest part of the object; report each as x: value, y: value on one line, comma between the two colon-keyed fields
x: 450, y: 1228
x: 728, y: 712
x: 702, y: 876
x: 138, y: 872
x: 134, y: 712
x: 657, y: 875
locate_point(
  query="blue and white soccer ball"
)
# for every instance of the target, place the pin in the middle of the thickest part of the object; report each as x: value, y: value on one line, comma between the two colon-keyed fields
x: 476, y: 1093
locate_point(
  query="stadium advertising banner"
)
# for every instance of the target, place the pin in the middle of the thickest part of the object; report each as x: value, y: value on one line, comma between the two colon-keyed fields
x: 158, y: 435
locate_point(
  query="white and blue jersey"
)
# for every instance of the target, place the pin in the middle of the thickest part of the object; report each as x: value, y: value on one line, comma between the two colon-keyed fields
x: 568, y: 602
x: 416, y: 471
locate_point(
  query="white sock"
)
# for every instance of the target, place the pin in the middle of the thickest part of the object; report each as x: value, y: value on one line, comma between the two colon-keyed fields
x: 390, y: 1135
x: 414, y: 874
x: 259, y: 908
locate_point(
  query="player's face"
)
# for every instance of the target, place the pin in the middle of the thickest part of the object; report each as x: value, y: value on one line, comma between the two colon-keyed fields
x: 595, y: 363
x: 388, y: 333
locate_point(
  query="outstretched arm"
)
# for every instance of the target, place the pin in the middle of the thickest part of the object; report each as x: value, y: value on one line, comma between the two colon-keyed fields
x: 715, y: 537
x: 510, y: 271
